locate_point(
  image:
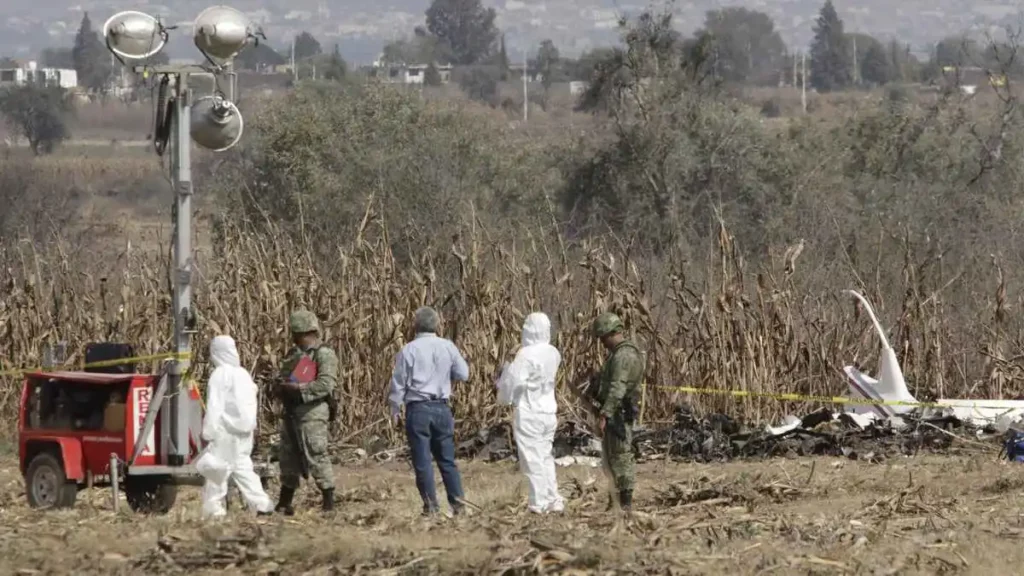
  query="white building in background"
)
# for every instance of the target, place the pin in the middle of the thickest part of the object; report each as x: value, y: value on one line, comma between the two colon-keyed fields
x: 411, y: 73
x: 532, y: 74
x: 577, y: 87
x: 29, y: 74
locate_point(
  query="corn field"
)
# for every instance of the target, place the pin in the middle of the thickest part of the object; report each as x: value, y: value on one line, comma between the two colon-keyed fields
x: 732, y: 329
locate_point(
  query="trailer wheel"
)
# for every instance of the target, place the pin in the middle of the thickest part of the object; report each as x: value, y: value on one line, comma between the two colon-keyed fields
x: 46, y: 485
x: 150, y: 495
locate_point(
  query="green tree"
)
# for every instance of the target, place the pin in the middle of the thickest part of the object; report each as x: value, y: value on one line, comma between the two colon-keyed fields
x: 746, y: 47
x: 58, y: 58
x: 830, y: 54
x: 503, y: 59
x: 480, y: 83
x: 91, y: 59
x: 904, y: 65
x: 957, y: 51
x: 548, y: 60
x: 1001, y: 58
x: 335, y: 67
x: 422, y: 48
x: 583, y: 67
x: 859, y: 45
x: 258, y: 57
x: 465, y: 27
x: 875, y: 66
x: 39, y: 113
x: 656, y: 172
x: 432, y: 77
x: 306, y: 46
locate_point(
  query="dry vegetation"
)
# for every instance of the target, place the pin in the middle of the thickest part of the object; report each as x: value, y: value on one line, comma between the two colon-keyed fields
x: 932, y: 515
x: 684, y: 216
x: 679, y: 207
x: 363, y: 255
x: 724, y: 333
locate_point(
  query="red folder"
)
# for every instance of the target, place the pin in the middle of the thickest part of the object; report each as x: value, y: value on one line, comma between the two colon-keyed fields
x: 305, y: 371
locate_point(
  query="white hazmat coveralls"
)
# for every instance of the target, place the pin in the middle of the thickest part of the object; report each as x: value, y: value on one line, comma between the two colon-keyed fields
x: 228, y: 427
x: 528, y: 383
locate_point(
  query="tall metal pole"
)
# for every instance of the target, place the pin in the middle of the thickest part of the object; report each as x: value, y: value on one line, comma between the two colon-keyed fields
x: 181, y: 160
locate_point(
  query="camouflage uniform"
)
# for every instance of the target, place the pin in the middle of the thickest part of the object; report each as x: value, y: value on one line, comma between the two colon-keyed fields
x: 311, y: 409
x: 619, y: 380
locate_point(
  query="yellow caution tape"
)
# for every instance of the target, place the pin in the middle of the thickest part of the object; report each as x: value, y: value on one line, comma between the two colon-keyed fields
x: 820, y: 399
x: 102, y: 364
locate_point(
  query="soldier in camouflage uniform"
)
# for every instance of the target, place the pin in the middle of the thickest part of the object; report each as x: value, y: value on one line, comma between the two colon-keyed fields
x: 308, y: 410
x: 619, y: 387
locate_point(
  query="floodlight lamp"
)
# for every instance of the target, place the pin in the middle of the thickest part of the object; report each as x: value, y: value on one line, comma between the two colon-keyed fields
x: 216, y: 123
x: 133, y: 35
x: 221, y: 32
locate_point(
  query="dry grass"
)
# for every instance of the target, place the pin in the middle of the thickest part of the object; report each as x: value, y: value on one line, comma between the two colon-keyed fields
x: 795, y: 516
x: 113, y: 121
x: 733, y: 328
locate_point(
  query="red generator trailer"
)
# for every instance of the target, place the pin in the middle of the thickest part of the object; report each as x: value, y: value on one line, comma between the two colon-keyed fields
x: 86, y: 429
x: 114, y: 426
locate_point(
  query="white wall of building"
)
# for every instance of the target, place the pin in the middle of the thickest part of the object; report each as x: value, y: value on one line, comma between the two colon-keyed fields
x: 65, y: 78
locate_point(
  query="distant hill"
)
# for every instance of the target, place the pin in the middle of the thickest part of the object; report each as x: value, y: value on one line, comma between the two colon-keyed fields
x: 361, y: 28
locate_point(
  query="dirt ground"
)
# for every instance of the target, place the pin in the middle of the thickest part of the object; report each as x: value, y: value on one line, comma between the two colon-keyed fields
x: 926, y: 515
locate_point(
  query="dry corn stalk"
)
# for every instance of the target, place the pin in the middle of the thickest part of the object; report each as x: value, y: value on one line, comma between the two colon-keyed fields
x: 717, y: 326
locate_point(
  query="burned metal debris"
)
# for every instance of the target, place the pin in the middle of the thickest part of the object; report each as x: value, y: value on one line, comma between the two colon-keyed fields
x: 718, y: 437
x: 820, y: 433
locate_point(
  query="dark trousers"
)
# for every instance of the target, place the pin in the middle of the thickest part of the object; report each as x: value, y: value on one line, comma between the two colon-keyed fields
x: 430, y: 428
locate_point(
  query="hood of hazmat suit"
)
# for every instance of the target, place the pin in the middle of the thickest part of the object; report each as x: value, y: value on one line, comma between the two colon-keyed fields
x: 231, y: 403
x: 528, y: 382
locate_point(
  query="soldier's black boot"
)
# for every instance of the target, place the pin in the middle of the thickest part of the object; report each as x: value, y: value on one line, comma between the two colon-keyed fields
x: 328, y: 494
x: 626, y: 500
x: 284, y: 503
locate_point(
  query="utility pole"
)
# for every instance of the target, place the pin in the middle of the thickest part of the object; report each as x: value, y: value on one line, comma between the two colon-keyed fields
x: 803, y: 81
x: 856, y: 69
x: 794, y: 68
x: 295, y: 71
x: 526, y: 92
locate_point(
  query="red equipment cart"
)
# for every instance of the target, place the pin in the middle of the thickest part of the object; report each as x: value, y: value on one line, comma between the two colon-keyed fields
x: 85, y: 429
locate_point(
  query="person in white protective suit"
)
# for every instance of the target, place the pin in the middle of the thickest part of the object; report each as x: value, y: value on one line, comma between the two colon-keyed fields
x: 228, y: 427
x: 528, y: 383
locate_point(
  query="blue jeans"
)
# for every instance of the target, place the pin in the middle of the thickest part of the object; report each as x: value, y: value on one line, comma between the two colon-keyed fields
x: 430, y: 428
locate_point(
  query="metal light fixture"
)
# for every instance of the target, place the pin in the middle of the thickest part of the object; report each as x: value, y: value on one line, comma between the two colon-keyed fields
x: 221, y: 32
x: 216, y: 123
x: 133, y: 35
x: 212, y: 122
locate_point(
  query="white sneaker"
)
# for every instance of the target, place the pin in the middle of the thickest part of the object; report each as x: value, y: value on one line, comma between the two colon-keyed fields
x: 556, y: 507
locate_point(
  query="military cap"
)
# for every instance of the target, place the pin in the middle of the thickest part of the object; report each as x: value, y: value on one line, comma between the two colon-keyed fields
x: 303, y: 321
x: 606, y: 324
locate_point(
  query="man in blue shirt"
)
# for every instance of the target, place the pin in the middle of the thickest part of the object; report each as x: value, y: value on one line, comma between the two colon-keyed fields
x: 422, y: 382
